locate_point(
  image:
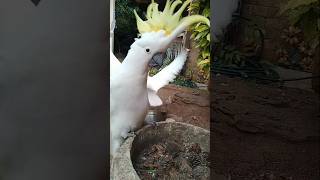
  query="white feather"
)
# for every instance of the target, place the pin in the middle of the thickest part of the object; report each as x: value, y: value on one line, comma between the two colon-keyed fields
x: 167, y: 74
x: 114, y: 63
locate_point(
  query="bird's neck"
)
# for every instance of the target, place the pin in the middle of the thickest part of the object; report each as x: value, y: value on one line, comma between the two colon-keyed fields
x: 136, y: 63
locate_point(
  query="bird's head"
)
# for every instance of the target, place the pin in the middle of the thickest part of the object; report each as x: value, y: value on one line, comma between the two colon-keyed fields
x: 161, y: 28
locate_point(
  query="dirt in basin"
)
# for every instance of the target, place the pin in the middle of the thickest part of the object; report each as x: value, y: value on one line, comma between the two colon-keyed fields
x: 168, y: 160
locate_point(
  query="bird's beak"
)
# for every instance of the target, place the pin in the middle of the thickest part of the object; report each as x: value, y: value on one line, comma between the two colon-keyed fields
x: 157, y: 60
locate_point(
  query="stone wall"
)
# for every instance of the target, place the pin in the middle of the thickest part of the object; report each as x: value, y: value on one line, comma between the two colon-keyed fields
x: 265, y: 13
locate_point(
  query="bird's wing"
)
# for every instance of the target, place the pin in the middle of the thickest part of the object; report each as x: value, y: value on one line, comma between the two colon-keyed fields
x: 159, y: 80
x: 114, y: 63
x: 167, y: 74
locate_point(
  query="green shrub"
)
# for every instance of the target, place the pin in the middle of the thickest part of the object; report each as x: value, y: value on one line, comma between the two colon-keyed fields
x: 306, y: 15
x: 201, y: 36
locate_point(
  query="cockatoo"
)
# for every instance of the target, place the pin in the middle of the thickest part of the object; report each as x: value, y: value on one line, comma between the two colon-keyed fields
x: 129, y: 90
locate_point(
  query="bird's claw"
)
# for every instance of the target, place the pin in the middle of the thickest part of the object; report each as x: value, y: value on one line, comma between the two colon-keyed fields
x: 131, y: 134
x: 153, y: 124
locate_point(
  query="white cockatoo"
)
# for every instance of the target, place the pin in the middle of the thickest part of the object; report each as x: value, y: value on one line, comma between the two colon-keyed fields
x: 129, y: 91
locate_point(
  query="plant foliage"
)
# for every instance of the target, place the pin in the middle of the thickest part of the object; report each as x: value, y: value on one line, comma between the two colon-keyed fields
x: 126, y: 29
x: 233, y: 50
x: 201, y: 35
x: 306, y: 15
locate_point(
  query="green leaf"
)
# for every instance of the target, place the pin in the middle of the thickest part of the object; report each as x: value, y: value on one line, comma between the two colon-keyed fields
x: 292, y: 4
x: 194, y: 6
x: 229, y: 57
x: 197, y: 25
x: 203, y: 43
x: 193, y: 35
x: 206, y: 12
x: 205, y: 54
x: 198, y: 36
x: 237, y: 58
x: 204, y: 62
x: 295, y: 15
x: 308, y: 24
x: 201, y: 34
x: 202, y: 28
x: 208, y: 37
x: 315, y: 42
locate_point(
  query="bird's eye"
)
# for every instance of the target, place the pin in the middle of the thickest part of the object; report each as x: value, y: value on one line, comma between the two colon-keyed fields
x: 148, y: 50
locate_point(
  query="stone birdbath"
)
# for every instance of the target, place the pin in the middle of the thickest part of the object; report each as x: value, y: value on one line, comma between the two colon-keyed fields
x: 175, y: 135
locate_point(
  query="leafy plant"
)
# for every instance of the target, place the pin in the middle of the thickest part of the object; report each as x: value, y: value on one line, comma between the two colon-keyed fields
x: 182, y: 81
x: 230, y: 55
x: 306, y: 15
x: 295, y: 53
x: 302, y: 37
x: 201, y: 35
x: 237, y: 51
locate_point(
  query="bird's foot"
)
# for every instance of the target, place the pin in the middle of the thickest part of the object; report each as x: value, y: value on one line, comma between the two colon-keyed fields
x: 153, y: 124
x: 131, y: 134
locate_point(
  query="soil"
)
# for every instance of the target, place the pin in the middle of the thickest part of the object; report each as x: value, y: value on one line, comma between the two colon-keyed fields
x: 168, y: 160
x: 258, y: 132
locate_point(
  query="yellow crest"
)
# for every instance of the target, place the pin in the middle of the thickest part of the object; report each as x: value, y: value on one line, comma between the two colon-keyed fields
x: 168, y: 19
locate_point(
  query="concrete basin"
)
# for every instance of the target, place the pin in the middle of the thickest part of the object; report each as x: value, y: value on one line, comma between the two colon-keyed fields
x: 122, y: 163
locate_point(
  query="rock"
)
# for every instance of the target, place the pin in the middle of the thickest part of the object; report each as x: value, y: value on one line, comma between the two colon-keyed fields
x: 183, y: 165
x: 249, y: 127
x: 203, y: 173
x: 170, y: 120
x: 174, y: 117
x: 195, y: 147
x: 192, y: 99
x: 172, y: 174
